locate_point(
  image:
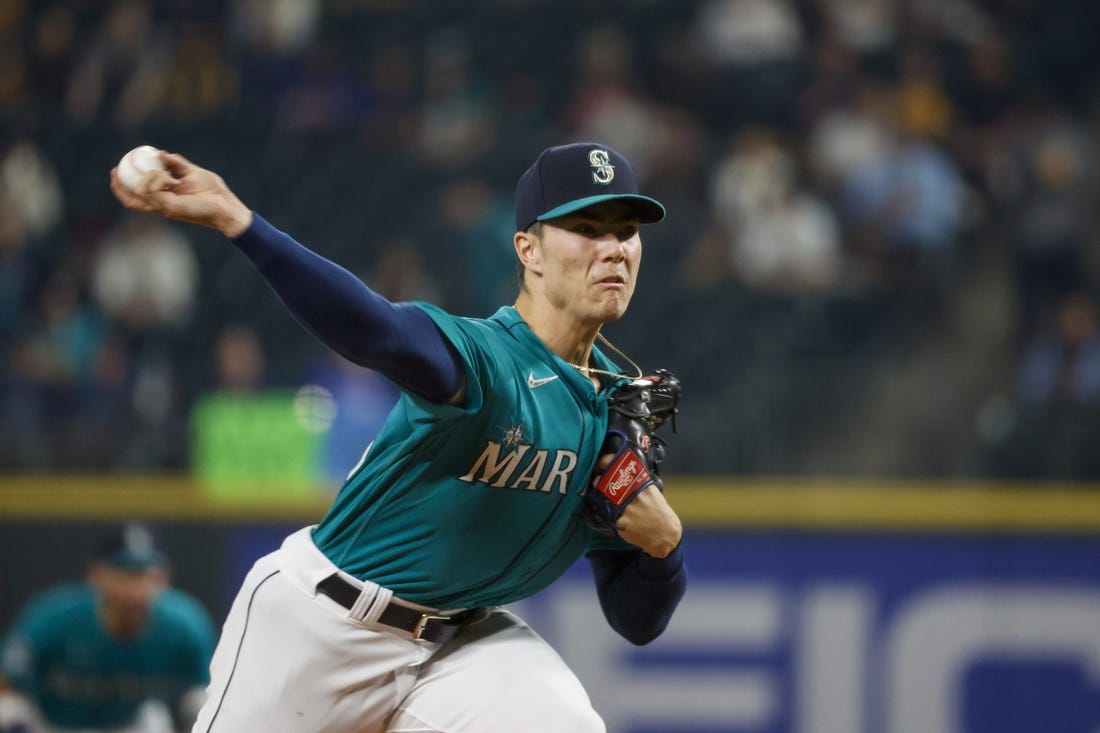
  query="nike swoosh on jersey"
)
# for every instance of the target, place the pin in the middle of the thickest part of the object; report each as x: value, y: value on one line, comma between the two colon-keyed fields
x: 536, y: 383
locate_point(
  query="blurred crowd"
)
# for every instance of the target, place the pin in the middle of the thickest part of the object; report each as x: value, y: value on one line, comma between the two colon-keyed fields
x: 880, y: 257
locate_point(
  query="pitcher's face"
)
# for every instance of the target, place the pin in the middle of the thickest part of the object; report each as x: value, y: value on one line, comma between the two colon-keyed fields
x: 589, y: 261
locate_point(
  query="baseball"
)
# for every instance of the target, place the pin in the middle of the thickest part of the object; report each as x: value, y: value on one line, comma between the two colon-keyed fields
x: 137, y: 163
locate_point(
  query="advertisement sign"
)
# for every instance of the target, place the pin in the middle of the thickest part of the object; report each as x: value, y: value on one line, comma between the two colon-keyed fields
x: 851, y: 633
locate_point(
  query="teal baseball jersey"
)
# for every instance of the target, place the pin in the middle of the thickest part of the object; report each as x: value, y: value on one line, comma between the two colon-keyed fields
x: 58, y: 654
x: 477, y: 503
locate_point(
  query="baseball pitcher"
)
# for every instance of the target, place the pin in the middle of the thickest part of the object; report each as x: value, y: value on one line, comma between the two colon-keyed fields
x: 517, y: 446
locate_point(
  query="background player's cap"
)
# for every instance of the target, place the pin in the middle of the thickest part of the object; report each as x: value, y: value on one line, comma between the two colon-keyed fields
x: 133, y: 546
x: 568, y: 178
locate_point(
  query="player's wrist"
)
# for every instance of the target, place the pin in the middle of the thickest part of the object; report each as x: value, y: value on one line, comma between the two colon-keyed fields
x: 235, y: 221
x: 661, y: 550
x: 660, y: 568
x: 666, y: 541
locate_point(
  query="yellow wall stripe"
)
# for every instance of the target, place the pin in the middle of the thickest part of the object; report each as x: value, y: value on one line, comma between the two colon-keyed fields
x: 149, y: 497
x: 887, y: 505
x: 718, y: 502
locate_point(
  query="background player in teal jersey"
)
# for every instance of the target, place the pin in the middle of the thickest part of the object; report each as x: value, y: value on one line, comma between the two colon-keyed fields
x: 386, y: 616
x: 120, y: 652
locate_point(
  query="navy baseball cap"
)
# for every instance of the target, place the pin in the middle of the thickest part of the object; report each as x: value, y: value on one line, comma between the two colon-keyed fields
x: 133, y: 546
x: 568, y: 178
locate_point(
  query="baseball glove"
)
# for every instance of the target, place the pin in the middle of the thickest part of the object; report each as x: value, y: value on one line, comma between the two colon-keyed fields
x: 635, y: 411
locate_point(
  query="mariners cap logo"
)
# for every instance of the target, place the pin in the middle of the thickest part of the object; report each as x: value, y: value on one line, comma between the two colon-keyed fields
x: 602, y: 170
x: 137, y: 539
x: 133, y: 546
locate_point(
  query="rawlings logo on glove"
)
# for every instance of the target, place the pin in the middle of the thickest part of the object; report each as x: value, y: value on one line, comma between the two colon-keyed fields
x: 635, y: 410
x: 627, y: 472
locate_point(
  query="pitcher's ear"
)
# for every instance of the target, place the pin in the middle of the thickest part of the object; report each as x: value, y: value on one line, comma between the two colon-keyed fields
x: 529, y: 250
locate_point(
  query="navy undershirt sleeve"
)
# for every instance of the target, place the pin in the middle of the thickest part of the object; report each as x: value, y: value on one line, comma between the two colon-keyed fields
x: 397, y: 339
x: 637, y: 592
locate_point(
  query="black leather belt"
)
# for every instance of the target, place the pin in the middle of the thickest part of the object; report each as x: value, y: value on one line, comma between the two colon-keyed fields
x: 427, y: 626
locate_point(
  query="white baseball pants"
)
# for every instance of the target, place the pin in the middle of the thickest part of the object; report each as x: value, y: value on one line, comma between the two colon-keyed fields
x: 291, y: 660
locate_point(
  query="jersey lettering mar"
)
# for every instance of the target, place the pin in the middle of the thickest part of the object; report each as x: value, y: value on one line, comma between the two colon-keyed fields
x: 505, y: 472
x: 496, y: 481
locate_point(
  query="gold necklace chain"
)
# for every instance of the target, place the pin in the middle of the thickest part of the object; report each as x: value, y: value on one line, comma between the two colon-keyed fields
x: 593, y: 370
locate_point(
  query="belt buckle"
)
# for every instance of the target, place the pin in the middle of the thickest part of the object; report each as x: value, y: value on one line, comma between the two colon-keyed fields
x: 418, y: 630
